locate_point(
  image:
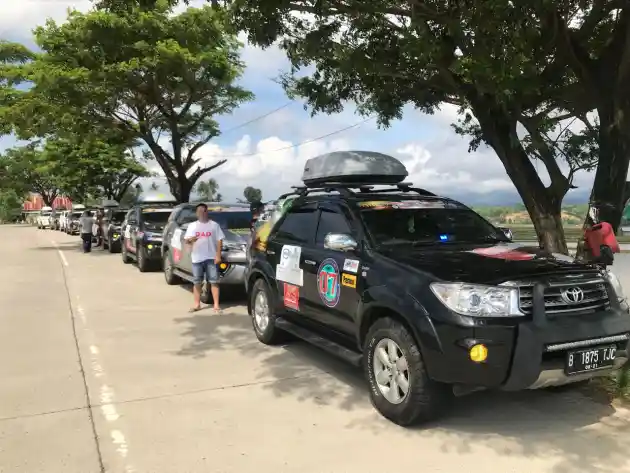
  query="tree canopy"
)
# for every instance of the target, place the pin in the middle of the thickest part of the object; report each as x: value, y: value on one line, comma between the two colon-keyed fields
x: 153, y: 75
x: 506, y: 62
x: 252, y: 194
x: 208, y: 190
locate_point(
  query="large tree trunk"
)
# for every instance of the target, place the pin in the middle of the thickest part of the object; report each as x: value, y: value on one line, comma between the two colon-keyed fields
x: 544, y: 204
x: 181, y: 187
x: 612, y: 170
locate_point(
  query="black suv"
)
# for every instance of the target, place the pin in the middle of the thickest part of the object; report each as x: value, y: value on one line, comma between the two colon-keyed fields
x: 235, y: 221
x: 430, y: 298
x: 111, y: 228
x: 142, y: 235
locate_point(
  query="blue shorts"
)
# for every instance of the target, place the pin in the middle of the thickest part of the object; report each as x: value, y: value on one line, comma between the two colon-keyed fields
x: 206, y: 270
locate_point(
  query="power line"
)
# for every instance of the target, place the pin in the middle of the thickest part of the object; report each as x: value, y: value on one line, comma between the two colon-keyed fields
x: 257, y: 118
x: 341, y: 130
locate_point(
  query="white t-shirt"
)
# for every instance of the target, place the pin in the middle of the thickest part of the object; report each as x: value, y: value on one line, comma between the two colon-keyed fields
x: 209, y: 234
x: 86, y: 224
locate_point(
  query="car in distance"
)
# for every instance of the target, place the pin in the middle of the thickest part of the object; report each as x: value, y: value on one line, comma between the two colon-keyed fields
x: 112, y: 228
x: 44, y: 218
x: 428, y: 297
x: 142, y: 235
x: 235, y: 221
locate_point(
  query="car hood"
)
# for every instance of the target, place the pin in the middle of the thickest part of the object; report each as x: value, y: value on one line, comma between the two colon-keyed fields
x: 485, y: 264
x: 236, y: 235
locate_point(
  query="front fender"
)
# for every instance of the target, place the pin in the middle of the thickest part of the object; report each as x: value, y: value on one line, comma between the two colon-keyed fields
x: 260, y: 269
x: 381, y: 298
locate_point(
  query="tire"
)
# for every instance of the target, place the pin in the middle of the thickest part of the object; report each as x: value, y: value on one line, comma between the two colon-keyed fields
x: 424, y: 400
x: 143, y: 264
x: 168, y: 266
x: 125, y: 256
x: 263, y: 318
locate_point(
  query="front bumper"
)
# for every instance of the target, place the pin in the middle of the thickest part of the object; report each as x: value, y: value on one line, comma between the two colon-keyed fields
x: 529, y: 355
x: 153, y: 250
x: 235, y: 268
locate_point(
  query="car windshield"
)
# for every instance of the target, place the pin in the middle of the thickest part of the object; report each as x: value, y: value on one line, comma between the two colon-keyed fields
x: 118, y: 217
x: 235, y: 221
x: 156, y: 216
x: 46, y: 214
x: 76, y: 214
x: 417, y: 222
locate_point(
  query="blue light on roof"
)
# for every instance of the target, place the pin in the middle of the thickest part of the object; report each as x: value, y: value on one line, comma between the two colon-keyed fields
x: 443, y: 237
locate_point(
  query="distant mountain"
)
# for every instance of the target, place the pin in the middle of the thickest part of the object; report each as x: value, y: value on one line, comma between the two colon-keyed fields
x: 576, y: 196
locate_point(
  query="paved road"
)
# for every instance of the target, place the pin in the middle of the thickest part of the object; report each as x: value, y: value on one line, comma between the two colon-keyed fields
x: 130, y: 382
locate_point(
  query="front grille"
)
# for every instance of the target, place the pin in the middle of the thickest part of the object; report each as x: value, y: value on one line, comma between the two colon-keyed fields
x: 595, y: 296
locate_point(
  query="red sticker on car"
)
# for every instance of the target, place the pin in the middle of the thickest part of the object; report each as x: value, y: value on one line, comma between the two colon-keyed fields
x: 291, y: 296
x: 504, y: 253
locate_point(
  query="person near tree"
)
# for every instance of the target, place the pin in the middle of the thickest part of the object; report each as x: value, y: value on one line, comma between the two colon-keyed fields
x: 86, y: 226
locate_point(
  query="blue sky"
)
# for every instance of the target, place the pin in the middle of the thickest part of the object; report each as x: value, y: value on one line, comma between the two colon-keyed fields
x: 435, y: 156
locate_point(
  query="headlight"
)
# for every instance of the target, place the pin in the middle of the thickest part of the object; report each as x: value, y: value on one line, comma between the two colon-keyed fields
x: 234, y: 246
x: 477, y: 300
x: 616, y: 284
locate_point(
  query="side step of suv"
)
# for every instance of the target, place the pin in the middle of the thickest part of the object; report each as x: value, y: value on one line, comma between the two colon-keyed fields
x: 327, y: 345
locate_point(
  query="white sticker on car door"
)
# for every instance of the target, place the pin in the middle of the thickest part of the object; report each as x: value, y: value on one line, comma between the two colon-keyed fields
x: 176, y: 240
x: 128, y: 232
x: 351, y: 266
x: 288, y: 269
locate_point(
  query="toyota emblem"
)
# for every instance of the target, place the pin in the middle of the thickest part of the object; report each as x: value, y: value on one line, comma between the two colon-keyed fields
x: 573, y: 295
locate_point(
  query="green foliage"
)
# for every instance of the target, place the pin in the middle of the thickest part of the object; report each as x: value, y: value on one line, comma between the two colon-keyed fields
x: 12, y: 56
x: 252, y: 194
x: 209, y: 190
x: 10, y: 205
x: 144, y: 71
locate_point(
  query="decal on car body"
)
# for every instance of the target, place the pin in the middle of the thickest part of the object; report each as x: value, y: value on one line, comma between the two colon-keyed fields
x: 291, y: 296
x: 328, y: 282
x: 349, y: 280
x: 351, y: 265
x: 288, y: 269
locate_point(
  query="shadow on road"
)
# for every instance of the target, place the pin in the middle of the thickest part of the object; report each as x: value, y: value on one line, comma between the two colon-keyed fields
x: 566, y: 425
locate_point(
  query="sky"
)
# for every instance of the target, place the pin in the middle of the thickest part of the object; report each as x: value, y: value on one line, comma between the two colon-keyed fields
x: 270, y: 153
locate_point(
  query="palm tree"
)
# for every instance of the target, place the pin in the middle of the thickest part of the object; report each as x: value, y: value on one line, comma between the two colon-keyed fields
x: 208, y: 190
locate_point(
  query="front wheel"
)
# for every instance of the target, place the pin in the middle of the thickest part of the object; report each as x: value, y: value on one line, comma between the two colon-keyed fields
x: 263, y: 318
x: 143, y: 264
x: 400, y: 388
x: 169, y: 269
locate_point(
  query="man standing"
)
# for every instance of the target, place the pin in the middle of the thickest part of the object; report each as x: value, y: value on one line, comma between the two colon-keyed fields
x: 86, y: 224
x: 205, y: 238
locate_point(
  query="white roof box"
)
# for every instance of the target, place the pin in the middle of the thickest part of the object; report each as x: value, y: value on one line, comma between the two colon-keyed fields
x: 353, y: 167
x: 156, y: 198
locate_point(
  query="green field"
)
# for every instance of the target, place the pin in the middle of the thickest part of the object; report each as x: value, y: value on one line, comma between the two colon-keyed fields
x: 573, y: 233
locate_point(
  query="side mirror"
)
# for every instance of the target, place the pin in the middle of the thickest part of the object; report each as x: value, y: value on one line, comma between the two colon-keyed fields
x: 340, y: 242
x: 507, y: 232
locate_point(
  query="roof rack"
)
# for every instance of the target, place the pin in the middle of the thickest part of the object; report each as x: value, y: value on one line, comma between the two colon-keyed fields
x: 345, y: 189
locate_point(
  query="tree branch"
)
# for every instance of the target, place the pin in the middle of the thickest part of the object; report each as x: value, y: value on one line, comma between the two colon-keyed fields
x: 194, y: 177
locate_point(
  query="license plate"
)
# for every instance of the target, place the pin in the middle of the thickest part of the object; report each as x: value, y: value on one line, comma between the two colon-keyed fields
x: 591, y: 359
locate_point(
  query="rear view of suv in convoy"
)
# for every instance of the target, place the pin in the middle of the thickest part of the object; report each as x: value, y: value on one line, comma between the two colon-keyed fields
x: 235, y: 221
x: 423, y: 293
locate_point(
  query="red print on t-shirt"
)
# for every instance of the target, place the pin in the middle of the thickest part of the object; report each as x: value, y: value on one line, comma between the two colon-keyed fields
x: 203, y: 234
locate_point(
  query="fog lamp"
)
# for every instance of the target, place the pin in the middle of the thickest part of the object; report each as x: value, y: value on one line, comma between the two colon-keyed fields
x: 478, y: 353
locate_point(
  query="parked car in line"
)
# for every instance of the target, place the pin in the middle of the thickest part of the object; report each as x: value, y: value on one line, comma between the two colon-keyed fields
x: 112, y: 228
x: 427, y: 296
x: 44, y: 218
x: 72, y: 222
x: 235, y: 221
x: 142, y: 235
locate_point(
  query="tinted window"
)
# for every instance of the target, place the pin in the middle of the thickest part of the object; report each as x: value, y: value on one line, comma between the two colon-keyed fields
x: 155, y: 217
x: 232, y: 220
x: 187, y: 215
x: 426, y: 223
x: 298, y: 226
x: 118, y: 217
x: 331, y: 222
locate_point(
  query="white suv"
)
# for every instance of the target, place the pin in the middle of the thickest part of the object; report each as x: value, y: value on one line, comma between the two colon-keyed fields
x: 44, y: 218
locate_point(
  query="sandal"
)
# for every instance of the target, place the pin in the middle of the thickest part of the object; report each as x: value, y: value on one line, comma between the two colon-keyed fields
x: 194, y: 309
x: 218, y: 311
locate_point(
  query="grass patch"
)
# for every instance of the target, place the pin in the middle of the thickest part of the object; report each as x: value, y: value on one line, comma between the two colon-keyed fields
x: 613, y: 387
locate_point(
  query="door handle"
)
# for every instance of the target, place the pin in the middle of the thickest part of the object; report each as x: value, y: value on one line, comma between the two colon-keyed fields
x: 311, y: 262
x: 271, y: 252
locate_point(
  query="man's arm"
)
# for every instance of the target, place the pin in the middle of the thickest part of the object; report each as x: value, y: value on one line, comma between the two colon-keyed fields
x: 189, y: 236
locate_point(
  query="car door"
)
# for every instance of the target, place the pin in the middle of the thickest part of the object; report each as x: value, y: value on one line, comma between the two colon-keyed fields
x: 184, y: 219
x: 332, y: 282
x: 293, y: 234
